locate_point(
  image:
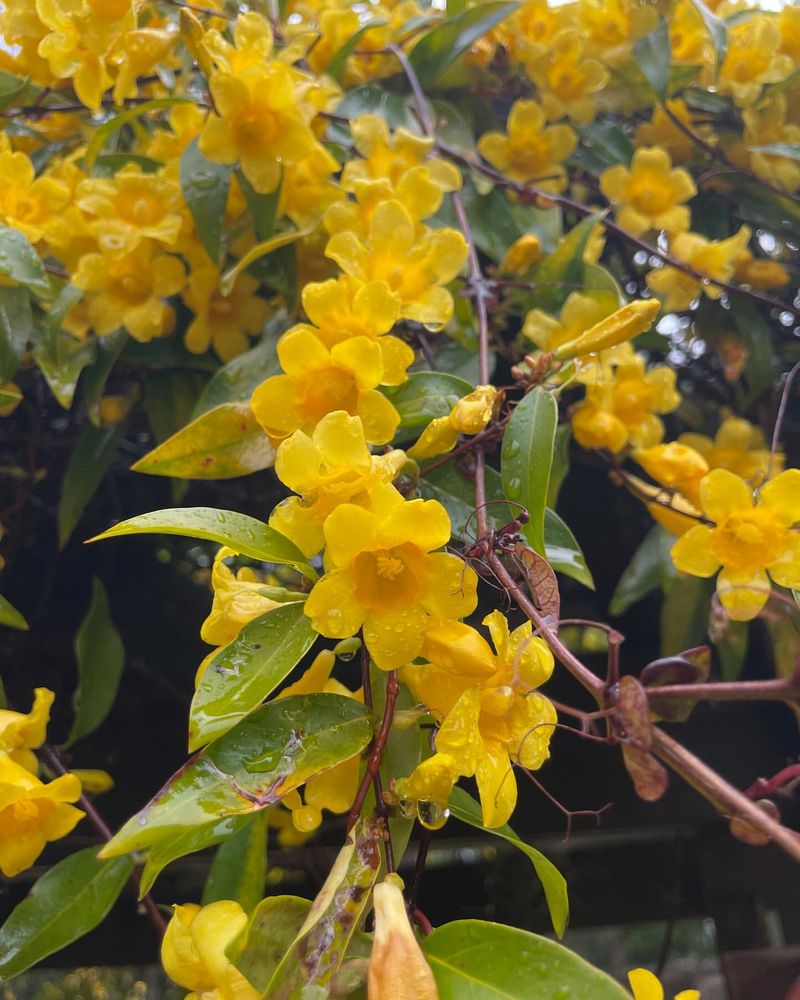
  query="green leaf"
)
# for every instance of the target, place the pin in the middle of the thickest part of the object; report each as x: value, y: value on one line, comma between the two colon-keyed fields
x: 425, y: 395
x: 106, y: 165
x: 101, y: 659
x: 562, y: 550
x: 240, y: 532
x: 684, y: 614
x: 457, y: 495
x: 205, y: 186
x: 236, y: 381
x: 195, y: 839
x: 11, y: 88
x: 239, y: 868
x: 87, y: 465
x: 247, y: 670
x: 260, y: 948
x: 643, y: 573
x: 485, y: 961
x: 653, y: 55
x: 272, y: 751
x: 560, y: 466
x: 370, y: 99
x: 315, y: 955
x: 716, y: 28
x: 67, y: 902
x: 562, y: 271
x: 10, y: 617
x: 442, y: 45
x: 113, y: 125
x: 757, y: 336
x: 20, y: 263
x: 10, y: 395
x: 526, y: 458
x: 263, y: 207
x: 170, y: 398
x: 94, y: 381
x: 228, y: 279
x: 16, y: 329
x: 61, y: 361
x: 338, y: 64
x: 731, y: 641
x: 465, y: 808
x: 788, y: 149
x: 222, y: 443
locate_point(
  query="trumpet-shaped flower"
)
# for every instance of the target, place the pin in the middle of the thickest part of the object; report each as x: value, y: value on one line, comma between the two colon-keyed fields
x: 414, y: 266
x: 530, y: 29
x: 397, y: 968
x: 750, y: 539
x: 21, y: 734
x: 168, y: 145
x: 331, y: 467
x: 193, y: 951
x: 491, y: 713
x: 530, y: 151
x: 470, y: 415
x: 137, y: 54
x: 611, y: 26
x: 739, y: 447
x: 319, y: 381
x: 646, y: 986
x: 650, y: 193
x: 32, y: 814
x: 384, y: 573
x: 766, y: 125
x: 715, y: 259
x: 28, y: 203
x: 753, y: 59
x: 567, y: 80
x: 675, y: 465
x: 308, y: 190
x: 250, y: 49
x: 688, y: 36
x: 663, y: 131
x: 238, y: 598
x: 223, y: 322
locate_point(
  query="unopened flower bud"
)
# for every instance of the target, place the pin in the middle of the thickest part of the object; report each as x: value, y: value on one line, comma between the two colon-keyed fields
x: 397, y: 967
x: 94, y: 782
x: 621, y: 326
x: 472, y: 413
x: 521, y: 255
x: 437, y: 438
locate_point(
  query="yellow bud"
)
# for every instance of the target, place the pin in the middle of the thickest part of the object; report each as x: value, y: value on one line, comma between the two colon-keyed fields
x: 397, y: 967
x: 522, y: 254
x: 674, y: 465
x: 621, y: 326
x: 438, y: 437
x: 94, y: 782
x: 472, y: 413
x: 114, y: 409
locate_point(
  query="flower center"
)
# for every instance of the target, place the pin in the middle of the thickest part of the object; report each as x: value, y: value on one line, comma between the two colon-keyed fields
x: 388, y: 579
x: 527, y: 156
x: 749, y: 540
x: 25, y: 810
x: 140, y: 207
x: 329, y: 389
x: 651, y: 194
x: 133, y: 287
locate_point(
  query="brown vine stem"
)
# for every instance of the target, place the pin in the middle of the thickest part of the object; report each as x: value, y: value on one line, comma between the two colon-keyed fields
x: 54, y: 761
x: 772, y: 690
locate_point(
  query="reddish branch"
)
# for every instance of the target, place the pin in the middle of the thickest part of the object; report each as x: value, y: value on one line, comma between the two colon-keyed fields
x: 780, y: 689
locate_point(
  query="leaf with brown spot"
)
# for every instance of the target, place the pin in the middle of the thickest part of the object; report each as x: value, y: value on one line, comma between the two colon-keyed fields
x: 632, y: 713
x: 649, y: 776
x: 541, y: 581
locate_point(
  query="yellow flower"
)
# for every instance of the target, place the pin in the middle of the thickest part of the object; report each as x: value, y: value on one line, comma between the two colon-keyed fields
x: 530, y: 29
x: 414, y: 266
x: 650, y: 193
x: 21, y: 734
x: 579, y: 313
x: 614, y: 330
x: 611, y: 26
x: 238, y: 599
x: 28, y: 203
x: 129, y: 291
x: 662, y: 131
x: 397, y: 968
x: 470, y: 415
x: 753, y: 59
x: 623, y: 409
x: 567, y: 80
x: 193, y: 951
x: 689, y: 40
x: 645, y: 986
x: 331, y: 467
x: 766, y: 125
x: 318, y: 381
x: 712, y: 258
x: 530, y: 151
x: 251, y: 48
x: 760, y: 273
x: 32, y: 814
x: 739, y: 447
x: 168, y: 145
x: 521, y: 255
x: 491, y: 714
x: 384, y: 574
x: 789, y: 28
x: 22, y: 31
x: 137, y: 54
x: 308, y: 190
x: 130, y: 207
x: 750, y: 538
x: 93, y: 781
x: 675, y: 465
x: 222, y: 322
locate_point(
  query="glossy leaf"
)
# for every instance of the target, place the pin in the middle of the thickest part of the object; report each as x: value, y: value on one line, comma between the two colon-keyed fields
x: 716, y: 28
x: 189, y: 842
x: 87, y: 465
x: 273, y: 750
x: 684, y: 613
x: 757, y: 336
x: 653, y: 55
x: 240, y: 532
x: 456, y: 493
x: 260, y: 948
x: 315, y: 955
x: 442, y: 45
x: 21, y: 264
x: 563, y: 551
x: 61, y: 360
x: 236, y: 381
x: 643, y: 573
x: 731, y: 640
x: 10, y: 396
x: 113, y: 125
x: 463, y: 807
x: 228, y: 279
x: 338, y: 64
x: 10, y: 617
x: 526, y: 457
x: 485, y: 961
x: 425, y: 395
x: 263, y: 207
x: 247, y: 670
x: 16, y: 329
x: 239, y: 868
x: 12, y: 89
x: 223, y: 443
x: 205, y: 186
x: 66, y: 903
x: 562, y: 270
x: 96, y: 376
x: 560, y: 466
x: 101, y: 659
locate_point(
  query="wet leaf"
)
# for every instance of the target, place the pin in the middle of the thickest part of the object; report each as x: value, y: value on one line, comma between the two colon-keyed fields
x: 94, y: 381
x: 258, y: 950
x: 649, y: 776
x: 228, y: 279
x: 485, y: 961
x: 562, y: 550
x: 12, y: 89
x: 16, y: 329
x: 196, y: 839
x: 271, y: 751
x: 731, y: 640
x: 716, y: 28
x: 643, y: 573
x: 88, y: 463
x: 101, y: 660
x: 317, y: 951
x: 236, y: 381
x: 338, y: 64
x: 61, y: 361
x: 247, y: 670
x: 632, y: 712
x: 113, y: 125
x: 21, y: 264
x: 653, y: 55
x: 425, y: 395
x: 526, y: 458
x: 562, y: 271
x: 684, y: 613
x: 542, y: 582
x: 239, y: 868
x: 223, y: 443
x: 170, y: 398
x: 205, y: 186
x: 463, y: 807
x: 10, y: 617
x: 67, y: 902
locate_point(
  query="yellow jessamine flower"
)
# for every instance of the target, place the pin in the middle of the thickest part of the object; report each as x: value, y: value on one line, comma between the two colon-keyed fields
x: 222, y: 322
x: 137, y: 54
x: 32, y: 814
x: 650, y: 193
x: 331, y: 467
x: 766, y: 125
x: 308, y: 189
x: 676, y: 465
x: 384, y: 574
x: 397, y: 968
x: 238, y: 598
x: 662, y: 131
x: 414, y: 266
x: 646, y: 986
x: 611, y: 26
x: 129, y: 291
x: 168, y: 145
x: 530, y: 29
x: 319, y: 381
x: 530, y: 151
x: 712, y: 258
x: 754, y: 58
x: 193, y: 951
x: 251, y: 47
x: 689, y: 40
x: 21, y: 734
x: 28, y: 203
x: 470, y: 415
x: 521, y: 255
x: 750, y: 538
x: 739, y: 447
x: 624, y: 409
x: 490, y: 711
x: 760, y: 272
x: 567, y: 80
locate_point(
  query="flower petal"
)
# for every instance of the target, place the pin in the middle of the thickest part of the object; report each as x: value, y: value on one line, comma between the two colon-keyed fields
x: 722, y: 493
x: 692, y: 553
x: 782, y: 496
x: 743, y: 594
x: 331, y: 607
x: 394, y: 638
x: 452, y: 587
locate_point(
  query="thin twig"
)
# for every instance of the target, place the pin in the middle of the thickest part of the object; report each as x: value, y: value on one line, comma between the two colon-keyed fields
x: 778, y: 428
x: 772, y: 690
